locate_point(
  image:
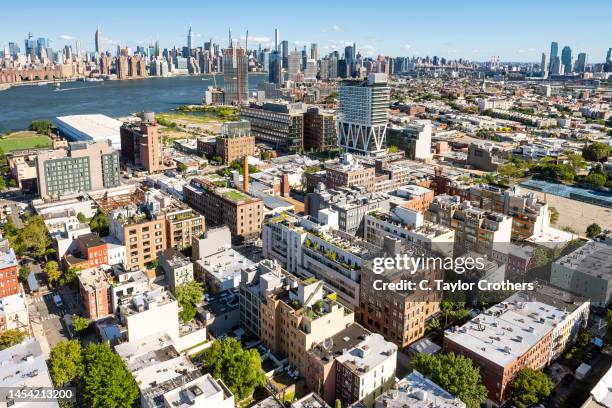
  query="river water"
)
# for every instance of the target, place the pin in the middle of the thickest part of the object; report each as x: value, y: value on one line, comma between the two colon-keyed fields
x: 21, y: 105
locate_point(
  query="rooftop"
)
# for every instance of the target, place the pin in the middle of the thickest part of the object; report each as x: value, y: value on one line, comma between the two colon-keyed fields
x: 509, y: 329
x: 225, y: 264
x: 593, y: 258
x: 94, y: 278
x: 416, y: 391
x: 368, y: 354
x: 311, y: 400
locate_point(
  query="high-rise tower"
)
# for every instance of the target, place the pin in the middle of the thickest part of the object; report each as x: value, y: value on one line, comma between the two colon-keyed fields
x: 98, y: 41
x: 235, y: 74
x: 566, y: 59
x: 189, y: 41
x: 362, y: 115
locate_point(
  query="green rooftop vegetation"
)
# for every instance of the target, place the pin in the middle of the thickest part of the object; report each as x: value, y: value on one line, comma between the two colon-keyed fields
x: 310, y: 280
x: 235, y: 195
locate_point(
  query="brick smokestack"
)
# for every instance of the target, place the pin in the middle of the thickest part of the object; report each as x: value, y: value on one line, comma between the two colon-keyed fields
x: 285, y: 188
x: 245, y: 173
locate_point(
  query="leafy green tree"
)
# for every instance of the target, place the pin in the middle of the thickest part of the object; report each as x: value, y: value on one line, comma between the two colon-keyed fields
x: 70, y: 276
x: 189, y: 295
x: 82, y: 218
x: 80, y: 324
x: 24, y: 272
x: 52, y: 271
x: 2, y: 183
x: 105, y: 380
x: 266, y: 155
x: 433, y: 325
x: 596, y: 151
x: 593, y: 230
x: 584, y: 338
x: 576, y: 160
x: 65, y: 362
x: 596, y: 179
x: 42, y: 127
x: 530, y: 386
x: 99, y: 224
x: 12, y: 182
x: 9, y: 338
x: 393, y: 149
x: 239, y: 369
x: 455, y: 373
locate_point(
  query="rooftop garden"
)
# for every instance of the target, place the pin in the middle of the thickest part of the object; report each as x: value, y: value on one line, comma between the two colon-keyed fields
x: 235, y: 195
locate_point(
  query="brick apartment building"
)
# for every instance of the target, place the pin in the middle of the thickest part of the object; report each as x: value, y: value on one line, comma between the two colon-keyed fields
x: 95, y: 289
x: 141, y: 145
x: 9, y: 277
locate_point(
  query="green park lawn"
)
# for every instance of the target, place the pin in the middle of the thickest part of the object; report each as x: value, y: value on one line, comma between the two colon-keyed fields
x: 23, y: 140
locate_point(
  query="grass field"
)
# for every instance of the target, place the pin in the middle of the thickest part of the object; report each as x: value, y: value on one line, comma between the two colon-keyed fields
x: 190, y: 117
x: 23, y: 140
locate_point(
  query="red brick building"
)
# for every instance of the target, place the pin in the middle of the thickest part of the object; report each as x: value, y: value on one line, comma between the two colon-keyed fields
x: 9, y: 282
x: 95, y: 288
x: 93, y: 249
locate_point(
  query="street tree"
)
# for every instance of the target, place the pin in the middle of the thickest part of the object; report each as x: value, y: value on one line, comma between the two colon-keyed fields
x: 105, y: 380
x: 52, y: 271
x: 593, y: 230
x: 80, y: 323
x: 455, y: 373
x: 239, y: 369
x: 65, y: 362
x: 189, y: 295
x: 530, y: 387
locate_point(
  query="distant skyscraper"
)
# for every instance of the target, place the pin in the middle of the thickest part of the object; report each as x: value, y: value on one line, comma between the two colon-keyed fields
x: 30, y: 48
x: 609, y: 55
x: 554, y: 53
x: 276, y: 39
x: 362, y: 115
x: 543, y: 63
x: 285, y: 52
x: 581, y: 62
x: 566, y: 59
x: 189, y: 41
x: 98, y: 41
x: 349, y: 56
x: 314, y: 51
x: 294, y: 63
x: 235, y: 75
x: 275, y: 70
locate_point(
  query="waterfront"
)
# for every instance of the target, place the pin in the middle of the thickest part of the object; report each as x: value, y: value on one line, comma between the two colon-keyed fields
x: 22, y: 104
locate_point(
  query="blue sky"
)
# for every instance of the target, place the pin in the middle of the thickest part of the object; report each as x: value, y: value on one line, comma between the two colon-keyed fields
x: 516, y: 30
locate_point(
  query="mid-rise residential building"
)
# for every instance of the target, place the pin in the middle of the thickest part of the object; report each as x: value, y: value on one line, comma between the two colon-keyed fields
x: 80, y: 168
x: 280, y: 124
x: 475, y: 229
x: 256, y: 284
x: 414, y: 138
x: 351, y: 205
x: 527, y: 330
x: 95, y: 290
x: 530, y: 216
x: 182, y: 225
x: 348, y: 172
x: 586, y: 272
x: 235, y: 142
x: 309, y: 249
x: 408, y: 226
x: 362, y: 115
x: 141, y: 144
x: 9, y: 277
x: 177, y: 267
x: 142, y: 231
x: 418, y: 197
x: 352, y: 365
x: 91, y: 251
x: 301, y: 315
x: 241, y: 212
x: 319, y: 130
x: 417, y: 391
x: 399, y: 315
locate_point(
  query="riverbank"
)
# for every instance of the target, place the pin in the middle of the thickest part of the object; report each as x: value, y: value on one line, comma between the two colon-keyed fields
x: 19, y: 106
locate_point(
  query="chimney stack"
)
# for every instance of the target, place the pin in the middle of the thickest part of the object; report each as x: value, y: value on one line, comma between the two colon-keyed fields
x: 285, y: 188
x: 245, y: 173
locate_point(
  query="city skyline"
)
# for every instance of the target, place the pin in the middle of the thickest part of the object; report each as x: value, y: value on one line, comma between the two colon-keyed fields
x: 474, y: 31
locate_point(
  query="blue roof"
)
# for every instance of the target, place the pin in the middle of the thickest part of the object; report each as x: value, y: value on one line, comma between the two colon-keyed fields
x: 601, y: 198
x: 32, y: 282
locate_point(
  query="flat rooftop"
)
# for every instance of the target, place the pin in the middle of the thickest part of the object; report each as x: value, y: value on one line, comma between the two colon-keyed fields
x: 368, y: 354
x: 417, y: 391
x: 94, y: 127
x: 593, y: 258
x: 509, y: 329
x: 225, y: 264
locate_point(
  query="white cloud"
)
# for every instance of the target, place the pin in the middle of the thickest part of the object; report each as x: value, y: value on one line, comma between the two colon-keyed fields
x: 67, y: 37
x: 257, y: 39
x: 110, y: 41
x: 407, y: 47
x: 335, y: 28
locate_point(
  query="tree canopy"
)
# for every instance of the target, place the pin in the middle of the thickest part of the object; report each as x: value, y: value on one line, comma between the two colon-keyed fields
x: 80, y: 323
x: 9, y: 338
x: 52, y: 271
x: 189, y: 295
x: 530, y: 386
x: 593, y: 230
x: 455, y: 373
x: 42, y: 127
x: 65, y: 362
x: 105, y: 381
x: 596, y: 151
x: 32, y: 238
x: 239, y: 369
